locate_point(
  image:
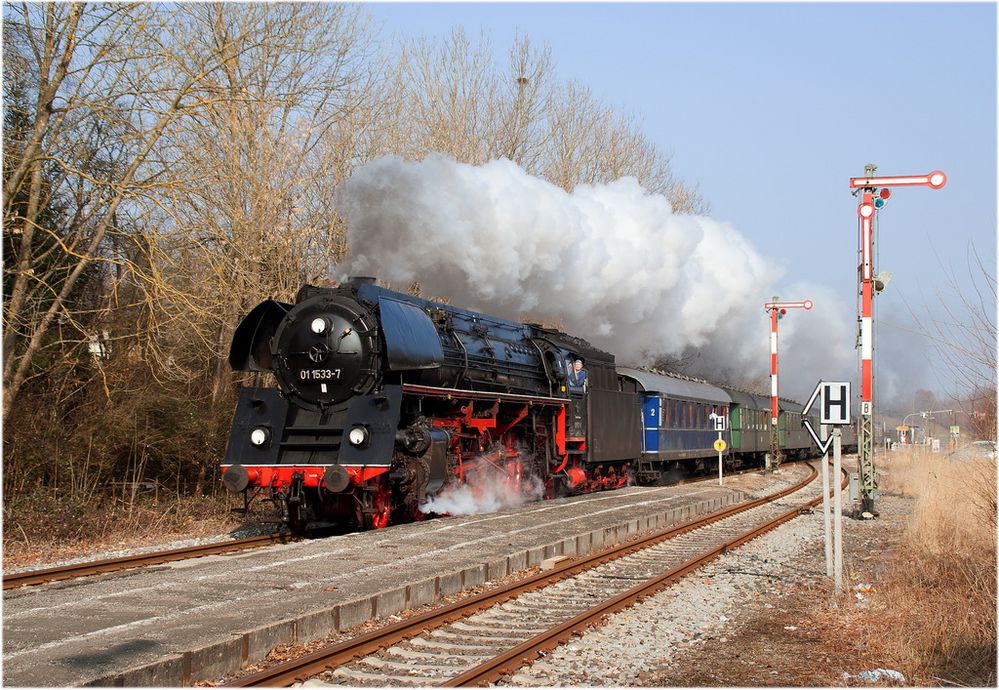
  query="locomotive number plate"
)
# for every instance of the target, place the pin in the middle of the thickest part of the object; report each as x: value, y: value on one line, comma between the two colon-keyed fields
x: 319, y: 374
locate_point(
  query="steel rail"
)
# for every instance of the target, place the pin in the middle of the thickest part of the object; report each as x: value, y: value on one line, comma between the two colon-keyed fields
x: 312, y: 664
x: 66, y: 572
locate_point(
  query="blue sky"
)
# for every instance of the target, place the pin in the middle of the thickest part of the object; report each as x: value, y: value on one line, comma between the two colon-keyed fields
x: 770, y: 108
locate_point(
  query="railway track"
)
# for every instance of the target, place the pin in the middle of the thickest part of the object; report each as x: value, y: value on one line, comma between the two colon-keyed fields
x: 483, y: 638
x: 66, y: 572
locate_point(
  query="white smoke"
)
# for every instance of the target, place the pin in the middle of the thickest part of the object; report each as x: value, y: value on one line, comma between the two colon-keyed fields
x: 483, y: 492
x: 612, y: 262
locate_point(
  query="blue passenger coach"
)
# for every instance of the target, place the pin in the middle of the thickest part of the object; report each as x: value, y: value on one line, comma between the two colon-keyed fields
x: 678, y: 415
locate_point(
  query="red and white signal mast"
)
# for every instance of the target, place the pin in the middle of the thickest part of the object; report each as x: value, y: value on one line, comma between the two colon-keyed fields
x: 777, y: 310
x: 874, y: 192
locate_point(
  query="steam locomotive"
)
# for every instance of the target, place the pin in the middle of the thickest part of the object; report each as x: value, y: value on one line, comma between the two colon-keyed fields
x: 385, y: 400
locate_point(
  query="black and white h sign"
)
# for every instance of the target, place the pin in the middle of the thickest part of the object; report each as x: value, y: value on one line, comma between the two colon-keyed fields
x: 835, y: 403
x: 834, y: 408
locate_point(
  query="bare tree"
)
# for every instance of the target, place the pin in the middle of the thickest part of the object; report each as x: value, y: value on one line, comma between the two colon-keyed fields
x: 262, y: 152
x: 95, y: 124
x: 522, y: 102
x: 962, y: 329
x: 589, y: 143
x: 450, y: 96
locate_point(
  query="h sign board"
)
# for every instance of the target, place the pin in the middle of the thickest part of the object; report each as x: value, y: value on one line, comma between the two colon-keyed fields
x: 720, y: 421
x: 834, y: 408
x: 834, y: 402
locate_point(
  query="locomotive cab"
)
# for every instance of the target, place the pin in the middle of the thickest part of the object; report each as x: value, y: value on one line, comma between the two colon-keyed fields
x: 602, y: 418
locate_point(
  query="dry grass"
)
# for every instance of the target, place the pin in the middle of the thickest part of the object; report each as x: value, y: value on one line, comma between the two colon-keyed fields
x: 936, y: 617
x: 44, y: 529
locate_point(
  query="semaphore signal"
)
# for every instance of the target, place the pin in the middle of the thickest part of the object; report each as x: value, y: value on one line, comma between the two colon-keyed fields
x: 874, y: 194
x: 777, y: 310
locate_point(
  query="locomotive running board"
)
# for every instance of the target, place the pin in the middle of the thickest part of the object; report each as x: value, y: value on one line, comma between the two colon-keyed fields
x: 480, y: 395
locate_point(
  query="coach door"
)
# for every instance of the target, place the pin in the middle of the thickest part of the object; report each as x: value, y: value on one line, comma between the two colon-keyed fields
x: 577, y: 410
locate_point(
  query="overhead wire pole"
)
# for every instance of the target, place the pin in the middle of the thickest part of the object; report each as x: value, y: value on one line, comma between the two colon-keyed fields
x: 868, y: 186
x: 777, y: 310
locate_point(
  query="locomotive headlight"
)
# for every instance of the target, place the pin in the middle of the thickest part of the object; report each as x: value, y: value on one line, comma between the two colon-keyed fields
x: 358, y: 436
x: 319, y: 326
x: 259, y: 436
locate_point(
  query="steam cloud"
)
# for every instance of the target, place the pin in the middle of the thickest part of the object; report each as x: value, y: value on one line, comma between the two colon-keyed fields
x: 482, y: 493
x: 612, y: 263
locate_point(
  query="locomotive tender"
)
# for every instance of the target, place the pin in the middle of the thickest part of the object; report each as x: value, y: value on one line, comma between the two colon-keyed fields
x: 384, y: 400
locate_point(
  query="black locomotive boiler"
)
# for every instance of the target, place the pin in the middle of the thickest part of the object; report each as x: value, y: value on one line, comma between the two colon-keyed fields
x: 385, y: 400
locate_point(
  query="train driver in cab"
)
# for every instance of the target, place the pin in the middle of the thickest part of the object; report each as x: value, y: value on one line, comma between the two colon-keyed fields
x: 577, y: 377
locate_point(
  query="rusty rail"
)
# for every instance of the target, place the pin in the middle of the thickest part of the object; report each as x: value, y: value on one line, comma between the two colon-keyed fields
x: 37, y: 577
